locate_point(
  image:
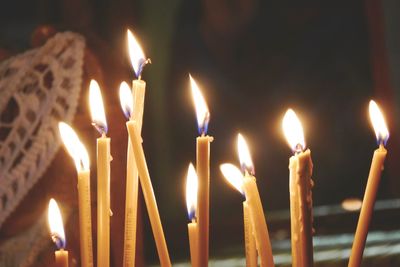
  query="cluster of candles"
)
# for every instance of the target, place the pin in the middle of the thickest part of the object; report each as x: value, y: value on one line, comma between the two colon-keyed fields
x: 257, y: 242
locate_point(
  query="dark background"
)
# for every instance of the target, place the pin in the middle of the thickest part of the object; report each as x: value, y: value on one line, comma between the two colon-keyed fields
x: 252, y: 60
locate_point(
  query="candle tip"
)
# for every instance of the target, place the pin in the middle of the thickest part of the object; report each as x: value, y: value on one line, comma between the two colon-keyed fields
x: 378, y: 123
x: 202, y: 112
x: 138, y: 59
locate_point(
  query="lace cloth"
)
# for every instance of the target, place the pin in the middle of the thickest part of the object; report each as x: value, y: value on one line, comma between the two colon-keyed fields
x: 37, y: 90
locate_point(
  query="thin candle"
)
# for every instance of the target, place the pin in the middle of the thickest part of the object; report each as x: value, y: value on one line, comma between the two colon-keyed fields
x: 79, y: 154
x: 233, y: 175
x: 300, y: 184
x: 133, y: 106
x: 57, y: 234
x: 103, y: 175
x: 260, y: 228
x: 191, y: 202
x: 377, y: 164
x: 203, y: 172
x: 148, y: 194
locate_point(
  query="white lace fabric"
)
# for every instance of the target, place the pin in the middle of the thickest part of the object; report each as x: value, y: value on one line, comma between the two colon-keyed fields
x: 37, y: 90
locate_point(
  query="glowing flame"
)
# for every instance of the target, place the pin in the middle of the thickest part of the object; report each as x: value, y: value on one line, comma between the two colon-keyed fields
x: 97, y: 108
x: 136, y: 54
x: 56, y: 224
x: 203, y: 115
x: 293, y: 131
x: 244, y: 155
x: 74, y: 146
x: 378, y: 122
x: 191, y: 191
x: 126, y: 99
x: 233, y: 175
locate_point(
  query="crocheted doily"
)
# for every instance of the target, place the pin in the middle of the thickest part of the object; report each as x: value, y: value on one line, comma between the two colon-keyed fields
x: 37, y: 90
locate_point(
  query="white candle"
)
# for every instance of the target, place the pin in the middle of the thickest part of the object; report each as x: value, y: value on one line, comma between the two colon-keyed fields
x: 203, y: 172
x: 300, y: 184
x: 133, y: 106
x: 191, y: 202
x: 78, y: 152
x: 57, y: 234
x: 233, y: 175
x: 103, y: 176
x: 260, y: 228
x: 378, y: 159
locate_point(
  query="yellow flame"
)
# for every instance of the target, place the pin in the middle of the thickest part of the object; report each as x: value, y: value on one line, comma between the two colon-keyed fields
x: 97, y: 106
x: 191, y: 190
x: 202, y: 112
x: 244, y: 155
x: 378, y: 122
x: 135, y: 52
x: 293, y: 131
x: 74, y: 146
x: 126, y: 99
x: 233, y: 175
x: 55, y: 221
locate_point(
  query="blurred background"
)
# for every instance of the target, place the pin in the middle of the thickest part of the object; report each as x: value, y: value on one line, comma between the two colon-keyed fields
x: 253, y: 60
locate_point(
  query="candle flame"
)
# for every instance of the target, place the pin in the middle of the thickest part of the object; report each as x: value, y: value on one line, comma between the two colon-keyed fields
x: 244, y: 156
x: 203, y: 115
x: 191, y: 191
x: 126, y: 99
x: 136, y: 54
x: 97, y: 108
x: 293, y: 131
x: 56, y: 224
x: 378, y: 122
x: 233, y: 175
x: 74, y: 146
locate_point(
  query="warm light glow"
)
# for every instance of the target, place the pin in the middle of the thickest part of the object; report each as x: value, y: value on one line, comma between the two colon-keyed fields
x: 244, y: 155
x: 378, y: 122
x: 293, y: 131
x: 233, y: 175
x: 56, y: 224
x: 74, y: 146
x: 352, y: 204
x: 136, y: 54
x: 97, y: 108
x: 191, y: 191
x: 126, y: 99
x: 202, y: 113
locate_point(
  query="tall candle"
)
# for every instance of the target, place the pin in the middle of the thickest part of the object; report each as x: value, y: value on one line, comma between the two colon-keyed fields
x: 300, y: 184
x: 148, y: 193
x: 191, y: 202
x: 132, y: 182
x: 233, y: 175
x: 57, y: 234
x: 261, y: 234
x: 378, y: 159
x: 135, y: 104
x: 78, y: 152
x: 103, y: 176
x: 203, y: 172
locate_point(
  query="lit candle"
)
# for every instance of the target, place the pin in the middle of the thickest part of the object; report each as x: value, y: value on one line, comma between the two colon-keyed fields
x: 57, y: 233
x: 133, y: 107
x: 203, y: 172
x: 233, y: 175
x: 260, y: 228
x: 300, y: 184
x: 148, y: 193
x: 103, y: 175
x: 191, y: 202
x: 382, y: 135
x: 78, y: 152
